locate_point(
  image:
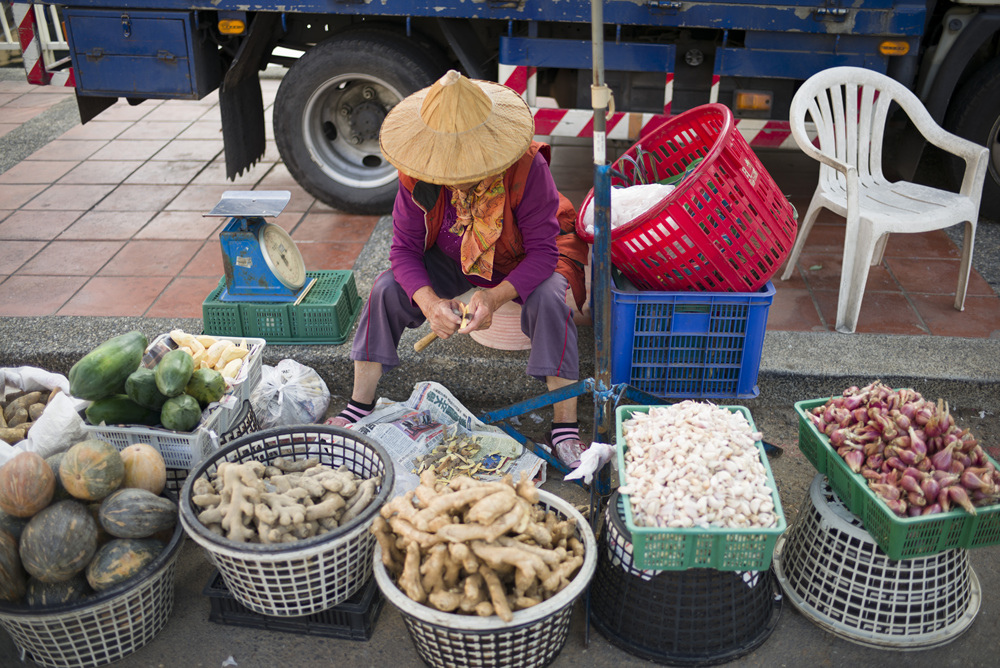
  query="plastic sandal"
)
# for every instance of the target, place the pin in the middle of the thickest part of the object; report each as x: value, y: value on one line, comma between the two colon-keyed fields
x: 337, y: 421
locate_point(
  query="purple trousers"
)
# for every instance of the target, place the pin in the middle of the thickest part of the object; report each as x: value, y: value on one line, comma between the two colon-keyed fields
x: 546, y: 319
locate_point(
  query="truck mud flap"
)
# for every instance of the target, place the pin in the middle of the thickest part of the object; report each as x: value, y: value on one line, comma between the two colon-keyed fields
x: 240, y: 101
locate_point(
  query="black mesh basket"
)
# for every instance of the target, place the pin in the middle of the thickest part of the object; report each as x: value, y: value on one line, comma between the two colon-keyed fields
x: 695, y: 617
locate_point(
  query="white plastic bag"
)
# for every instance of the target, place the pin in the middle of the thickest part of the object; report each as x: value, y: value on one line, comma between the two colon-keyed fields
x: 629, y: 203
x: 59, y: 426
x: 289, y: 393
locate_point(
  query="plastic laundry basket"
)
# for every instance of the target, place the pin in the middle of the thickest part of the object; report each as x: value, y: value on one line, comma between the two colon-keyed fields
x: 726, y: 227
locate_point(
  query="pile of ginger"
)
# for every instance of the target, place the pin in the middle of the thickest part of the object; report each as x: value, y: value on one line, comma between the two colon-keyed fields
x: 283, y: 502
x: 476, y: 547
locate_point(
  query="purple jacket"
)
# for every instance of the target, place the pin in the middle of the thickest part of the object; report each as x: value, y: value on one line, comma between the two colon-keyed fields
x: 535, y: 217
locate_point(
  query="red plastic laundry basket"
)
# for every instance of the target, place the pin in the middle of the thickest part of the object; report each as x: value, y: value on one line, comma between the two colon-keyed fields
x: 726, y: 227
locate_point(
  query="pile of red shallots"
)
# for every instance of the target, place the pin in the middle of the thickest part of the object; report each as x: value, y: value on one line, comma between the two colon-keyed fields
x: 909, y: 449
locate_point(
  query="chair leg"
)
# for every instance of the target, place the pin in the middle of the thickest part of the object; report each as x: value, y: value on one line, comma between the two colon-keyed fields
x: 859, y: 247
x: 879, y: 249
x: 966, y: 266
x: 812, y: 213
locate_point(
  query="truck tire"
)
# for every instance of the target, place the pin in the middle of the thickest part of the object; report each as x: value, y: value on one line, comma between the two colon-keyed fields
x: 974, y: 113
x: 330, y: 106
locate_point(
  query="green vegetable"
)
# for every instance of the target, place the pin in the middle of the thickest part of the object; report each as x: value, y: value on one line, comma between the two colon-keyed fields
x: 173, y: 372
x: 206, y: 385
x: 119, y: 409
x: 180, y: 413
x: 141, y: 388
x: 102, y: 372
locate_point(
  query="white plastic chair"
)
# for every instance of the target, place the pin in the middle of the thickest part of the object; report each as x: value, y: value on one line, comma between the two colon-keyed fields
x: 849, y: 106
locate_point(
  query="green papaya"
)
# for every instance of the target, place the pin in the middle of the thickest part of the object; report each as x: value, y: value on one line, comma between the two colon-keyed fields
x: 119, y: 409
x: 173, y: 372
x: 102, y: 372
x: 141, y: 388
x: 206, y: 385
x: 180, y: 413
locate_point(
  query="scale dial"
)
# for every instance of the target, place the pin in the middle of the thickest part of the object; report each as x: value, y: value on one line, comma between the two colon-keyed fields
x: 282, y: 256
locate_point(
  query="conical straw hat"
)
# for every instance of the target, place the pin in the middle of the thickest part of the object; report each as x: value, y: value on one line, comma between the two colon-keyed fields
x: 457, y: 131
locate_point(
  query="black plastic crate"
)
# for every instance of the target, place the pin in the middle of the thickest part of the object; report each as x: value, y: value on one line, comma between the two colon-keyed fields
x: 354, y: 619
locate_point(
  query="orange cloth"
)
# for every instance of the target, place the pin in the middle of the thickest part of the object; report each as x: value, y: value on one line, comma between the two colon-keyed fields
x: 479, y: 221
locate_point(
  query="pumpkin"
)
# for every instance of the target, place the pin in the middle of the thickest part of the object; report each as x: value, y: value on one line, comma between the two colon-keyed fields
x: 13, y: 579
x: 144, y: 468
x: 58, y: 542
x: 53, y: 461
x: 26, y: 485
x: 91, y: 469
x: 120, y: 560
x: 13, y: 525
x: 47, y: 594
x: 137, y: 513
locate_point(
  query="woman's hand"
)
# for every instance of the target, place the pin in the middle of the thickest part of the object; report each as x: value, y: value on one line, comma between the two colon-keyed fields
x: 441, y: 314
x: 484, y: 304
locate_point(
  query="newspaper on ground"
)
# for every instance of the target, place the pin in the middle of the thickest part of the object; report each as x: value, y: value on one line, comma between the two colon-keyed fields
x: 433, y: 429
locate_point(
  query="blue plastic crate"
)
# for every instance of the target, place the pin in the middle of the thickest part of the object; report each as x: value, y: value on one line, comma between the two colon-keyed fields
x: 689, y: 344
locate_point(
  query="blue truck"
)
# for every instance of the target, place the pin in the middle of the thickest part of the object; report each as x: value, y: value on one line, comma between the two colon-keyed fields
x: 350, y: 61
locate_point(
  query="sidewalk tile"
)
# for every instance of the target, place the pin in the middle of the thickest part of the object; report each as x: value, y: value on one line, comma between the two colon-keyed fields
x: 38, y: 225
x: 159, y: 172
x: 881, y: 313
x: 793, y: 310
x: 934, y: 276
x: 181, y: 149
x: 183, y: 225
x: 14, y: 196
x: 822, y: 272
x: 101, y: 172
x: 66, y: 197
x: 100, y: 225
x: 149, y: 129
x: 215, y: 175
x: 128, y: 197
x: 71, y: 258
x: 980, y: 319
x: 935, y: 244
x: 33, y: 100
x: 176, y: 112
x: 116, y: 296
x: 97, y: 129
x: 206, y: 262
x: 37, y: 295
x: 183, y: 298
x: 20, y: 114
x: 68, y: 149
x: 151, y: 258
x: 14, y: 254
x: 334, y: 227
x: 320, y: 256
x: 200, y: 199
x: 8, y: 127
x: 123, y: 111
x: 130, y: 149
x: 18, y: 86
x: 202, y: 130
x: 36, y: 171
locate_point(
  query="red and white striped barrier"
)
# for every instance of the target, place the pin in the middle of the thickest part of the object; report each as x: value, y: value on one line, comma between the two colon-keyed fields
x: 31, y: 50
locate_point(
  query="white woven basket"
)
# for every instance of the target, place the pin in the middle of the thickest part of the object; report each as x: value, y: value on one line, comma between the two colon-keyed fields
x: 102, y: 628
x: 532, y: 638
x: 311, y: 575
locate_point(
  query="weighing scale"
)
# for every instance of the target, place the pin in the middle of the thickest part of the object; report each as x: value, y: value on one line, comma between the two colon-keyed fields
x: 261, y: 262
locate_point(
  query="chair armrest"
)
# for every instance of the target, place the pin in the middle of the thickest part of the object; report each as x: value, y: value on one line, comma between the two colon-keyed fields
x: 974, y: 155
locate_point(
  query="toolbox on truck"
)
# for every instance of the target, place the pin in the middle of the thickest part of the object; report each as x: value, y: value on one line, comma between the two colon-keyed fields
x: 143, y: 54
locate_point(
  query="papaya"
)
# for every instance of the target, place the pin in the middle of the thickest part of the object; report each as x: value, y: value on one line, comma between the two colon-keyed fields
x: 181, y: 413
x: 173, y: 372
x: 119, y: 409
x: 206, y: 385
x: 103, y: 371
x: 141, y: 388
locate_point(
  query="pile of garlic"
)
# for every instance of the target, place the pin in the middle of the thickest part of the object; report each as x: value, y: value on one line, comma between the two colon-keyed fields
x: 695, y: 464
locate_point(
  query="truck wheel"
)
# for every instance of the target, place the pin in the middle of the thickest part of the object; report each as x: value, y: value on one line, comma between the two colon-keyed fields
x: 975, y: 114
x: 330, y: 106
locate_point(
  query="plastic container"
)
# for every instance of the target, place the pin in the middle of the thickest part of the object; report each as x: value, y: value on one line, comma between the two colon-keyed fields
x: 354, y: 619
x: 694, y: 617
x: 726, y: 226
x: 689, y: 345
x: 313, y: 574
x: 104, y: 627
x: 325, y: 315
x: 534, y: 637
x: 838, y: 577
x: 899, y: 537
x: 717, y: 548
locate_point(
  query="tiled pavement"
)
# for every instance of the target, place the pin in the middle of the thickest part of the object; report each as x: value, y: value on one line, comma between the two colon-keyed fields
x: 107, y: 219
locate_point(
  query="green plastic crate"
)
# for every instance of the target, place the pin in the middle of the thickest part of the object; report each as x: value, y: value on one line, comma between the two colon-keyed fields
x: 723, y: 549
x: 899, y: 537
x: 325, y: 315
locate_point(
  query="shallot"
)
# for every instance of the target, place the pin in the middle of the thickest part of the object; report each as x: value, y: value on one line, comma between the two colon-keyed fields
x: 909, y: 450
x: 695, y: 464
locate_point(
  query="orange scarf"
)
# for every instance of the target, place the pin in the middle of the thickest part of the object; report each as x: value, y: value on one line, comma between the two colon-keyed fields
x: 479, y: 220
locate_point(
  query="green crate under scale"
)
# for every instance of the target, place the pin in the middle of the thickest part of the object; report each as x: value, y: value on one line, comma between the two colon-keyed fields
x: 724, y: 549
x: 899, y: 537
x: 325, y: 315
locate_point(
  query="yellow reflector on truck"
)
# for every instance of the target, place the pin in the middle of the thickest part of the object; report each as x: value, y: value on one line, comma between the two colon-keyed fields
x: 232, y: 27
x: 749, y: 100
x: 894, y: 48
